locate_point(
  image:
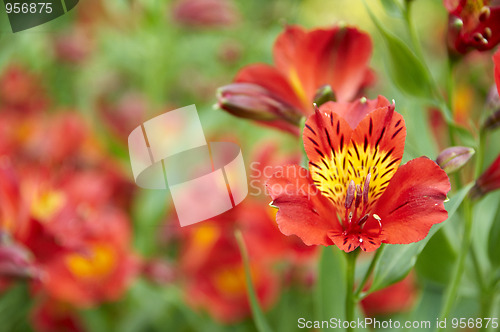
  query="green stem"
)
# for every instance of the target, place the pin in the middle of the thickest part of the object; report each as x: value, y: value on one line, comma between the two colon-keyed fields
x: 451, y: 293
x: 478, y: 270
x: 350, y: 300
x: 368, y: 273
x: 260, y: 321
x: 480, y: 154
x: 413, y: 32
x: 450, y: 88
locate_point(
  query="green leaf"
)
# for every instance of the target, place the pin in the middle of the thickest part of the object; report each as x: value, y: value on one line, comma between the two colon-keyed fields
x: 494, y: 240
x: 466, y: 137
x: 257, y: 313
x: 330, y: 291
x: 398, y: 259
x: 436, y: 261
x: 393, y: 8
x: 405, y: 70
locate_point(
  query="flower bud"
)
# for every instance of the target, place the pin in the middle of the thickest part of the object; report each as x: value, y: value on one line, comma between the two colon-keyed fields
x: 251, y: 101
x: 493, y: 99
x: 493, y: 121
x: 205, y: 13
x: 15, y: 261
x: 453, y: 158
x: 324, y: 94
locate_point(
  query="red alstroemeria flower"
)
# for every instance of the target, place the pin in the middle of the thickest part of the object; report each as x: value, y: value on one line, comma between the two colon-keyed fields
x: 305, y: 61
x: 50, y: 315
x: 473, y: 24
x: 354, y: 194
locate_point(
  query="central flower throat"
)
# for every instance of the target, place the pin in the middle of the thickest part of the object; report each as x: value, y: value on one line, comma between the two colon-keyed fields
x: 357, y: 205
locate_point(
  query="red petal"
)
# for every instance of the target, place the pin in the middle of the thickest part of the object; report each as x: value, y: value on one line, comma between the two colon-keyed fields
x: 325, y: 134
x: 452, y: 5
x: 413, y: 201
x: 345, y: 242
x: 287, y: 46
x: 490, y: 179
x: 272, y: 80
x: 383, y: 129
x: 302, y: 210
x: 341, y: 60
x: 354, y: 112
x: 496, y: 59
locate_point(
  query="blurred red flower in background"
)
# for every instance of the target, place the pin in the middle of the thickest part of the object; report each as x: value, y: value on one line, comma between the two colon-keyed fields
x: 63, y: 203
x: 21, y: 92
x: 124, y: 114
x: 212, y: 267
x: 213, y: 270
x: 354, y: 194
x: 53, y: 316
x: 399, y: 297
x: 473, y: 24
x: 305, y: 61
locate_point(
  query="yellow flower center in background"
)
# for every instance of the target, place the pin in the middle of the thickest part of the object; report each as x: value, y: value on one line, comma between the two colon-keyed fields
x: 47, y: 204
x: 98, y: 263
x: 231, y: 281
x: 205, y: 236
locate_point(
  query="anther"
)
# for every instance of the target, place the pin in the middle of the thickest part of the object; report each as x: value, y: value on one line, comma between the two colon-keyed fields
x: 363, y: 220
x: 378, y: 219
x: 479, y: 38
x: 349, y: 198
x: 484, y: 14
x: 366, y: 188
x: 316, y: 108
x: 487, y: 33
x: 358, y: 196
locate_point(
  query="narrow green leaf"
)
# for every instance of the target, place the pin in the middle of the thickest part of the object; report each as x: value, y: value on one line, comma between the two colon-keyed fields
x: 257, y: 313
x: 398, y: 259
x: 494, y: 240
x: 405, y: 70
x: 330, y: 291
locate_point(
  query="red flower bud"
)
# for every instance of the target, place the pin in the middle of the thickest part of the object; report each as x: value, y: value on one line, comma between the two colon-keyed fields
x: 15, y: 261
x: 453, y: 158
x: 488, y: 181
x: 205, y: 13
x: 251, y: 101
